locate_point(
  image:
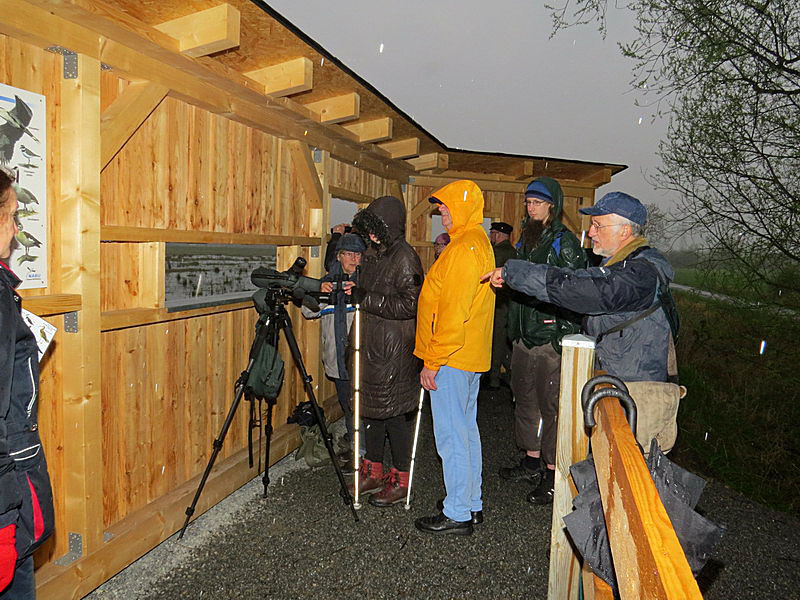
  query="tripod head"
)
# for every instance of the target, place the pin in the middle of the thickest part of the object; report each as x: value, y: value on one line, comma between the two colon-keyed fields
x: 280, y: 287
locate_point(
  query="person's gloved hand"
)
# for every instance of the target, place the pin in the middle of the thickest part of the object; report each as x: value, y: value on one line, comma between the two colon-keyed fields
x: 357, y: 295
x: 8, y: 554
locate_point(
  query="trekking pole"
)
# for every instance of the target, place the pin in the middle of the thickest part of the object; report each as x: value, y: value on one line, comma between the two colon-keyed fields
x: 414, y: 448
x: 357, y: 406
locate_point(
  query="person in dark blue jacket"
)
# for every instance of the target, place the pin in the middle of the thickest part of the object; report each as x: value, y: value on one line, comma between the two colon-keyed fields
x: 623, y: 287
x: 26, y: 499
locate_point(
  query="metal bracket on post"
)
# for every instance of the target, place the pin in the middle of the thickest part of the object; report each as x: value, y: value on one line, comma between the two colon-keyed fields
x: 314, y: 251
x: 75, y: 550
x: 70, y: 60
x: 403, y: 187
x: 71, y: 322
x: 317, y: 155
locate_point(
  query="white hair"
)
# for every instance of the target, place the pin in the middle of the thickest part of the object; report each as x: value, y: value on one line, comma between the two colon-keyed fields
x: 636, y: 229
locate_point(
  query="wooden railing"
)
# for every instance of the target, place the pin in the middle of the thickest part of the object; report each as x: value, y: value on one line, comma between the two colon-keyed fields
x: 648, y: 559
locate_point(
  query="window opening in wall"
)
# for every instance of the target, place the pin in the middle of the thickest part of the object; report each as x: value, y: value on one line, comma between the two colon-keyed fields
x: 437, y: 227
x: 201, y: 275
x: 342, y: 211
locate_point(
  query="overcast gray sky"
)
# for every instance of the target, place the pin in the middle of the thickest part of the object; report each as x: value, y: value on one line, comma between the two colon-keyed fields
x: 485, y: 76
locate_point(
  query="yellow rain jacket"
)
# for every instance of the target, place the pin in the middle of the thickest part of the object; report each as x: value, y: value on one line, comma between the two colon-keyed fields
x: 455, y: 312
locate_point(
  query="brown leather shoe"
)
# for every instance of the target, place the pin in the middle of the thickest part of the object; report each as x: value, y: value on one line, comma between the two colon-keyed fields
x: 395, y: 489
x: 370, y: 478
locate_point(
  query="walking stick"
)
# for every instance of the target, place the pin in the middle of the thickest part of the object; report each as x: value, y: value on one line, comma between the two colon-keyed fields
x: 414, y: 448
x: 357, y: 407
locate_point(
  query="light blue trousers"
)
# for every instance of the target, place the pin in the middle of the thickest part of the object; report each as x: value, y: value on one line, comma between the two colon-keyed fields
x: 454, y: 405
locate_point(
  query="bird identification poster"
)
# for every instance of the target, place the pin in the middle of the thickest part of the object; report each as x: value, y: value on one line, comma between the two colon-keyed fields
x: 22, y: 153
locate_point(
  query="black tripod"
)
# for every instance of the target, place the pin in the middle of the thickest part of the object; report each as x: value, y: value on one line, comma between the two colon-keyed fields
x: 273, y: 317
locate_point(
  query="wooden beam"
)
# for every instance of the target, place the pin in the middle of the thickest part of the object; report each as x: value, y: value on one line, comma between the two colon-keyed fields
x: 598, y: 177
x: 52, y: 304
x: 121, y: 233
x: 205, y: 32
x: 306, y: 172
x: 125, y: 115
x: 286, y: 78
x: 136, y: 317
x: 436, y: 161
x: 78, y: 209
x: 337, y: 109
x: 485, y: 185
x: 422, y: 207
x: 345, y: 194
x: 374, y: 130
x: 648, y: 558
x: 522, y: 169
x: 402, y: 148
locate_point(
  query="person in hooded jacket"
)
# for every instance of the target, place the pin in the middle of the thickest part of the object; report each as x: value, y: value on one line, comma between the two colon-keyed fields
x: 388, y: 288
x: 26, y: 499
x: 535, y: 329
x: 454, y: 333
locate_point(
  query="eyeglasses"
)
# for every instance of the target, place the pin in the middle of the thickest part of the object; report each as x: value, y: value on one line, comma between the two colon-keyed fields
x: 535, y: 202
x: 596, y: 226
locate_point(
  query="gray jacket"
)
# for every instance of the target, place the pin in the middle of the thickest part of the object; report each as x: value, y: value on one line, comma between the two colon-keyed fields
x: 325, y: 313
x: 608, y: 296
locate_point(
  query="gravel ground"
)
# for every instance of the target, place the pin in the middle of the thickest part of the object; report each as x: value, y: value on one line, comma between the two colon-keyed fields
x: 302, y: 541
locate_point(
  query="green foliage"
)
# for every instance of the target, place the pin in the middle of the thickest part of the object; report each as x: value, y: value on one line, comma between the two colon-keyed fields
x: 740, y: 421
x: 728, y: 74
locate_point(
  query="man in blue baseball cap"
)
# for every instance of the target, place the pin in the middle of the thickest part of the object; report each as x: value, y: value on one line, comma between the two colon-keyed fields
x: 622, y: 298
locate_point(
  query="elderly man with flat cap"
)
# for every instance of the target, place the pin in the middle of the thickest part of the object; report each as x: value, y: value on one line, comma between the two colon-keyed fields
x: 500, y: 237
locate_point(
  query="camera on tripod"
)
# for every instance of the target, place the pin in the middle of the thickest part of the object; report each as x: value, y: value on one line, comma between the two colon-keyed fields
x: 286, y: 285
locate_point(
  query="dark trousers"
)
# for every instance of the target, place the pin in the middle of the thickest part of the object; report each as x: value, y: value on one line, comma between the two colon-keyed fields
x: 501, y: 347
x: 400, y: 430
x: 343, y: 393
x: 22, y: 586
x: 536, y: 381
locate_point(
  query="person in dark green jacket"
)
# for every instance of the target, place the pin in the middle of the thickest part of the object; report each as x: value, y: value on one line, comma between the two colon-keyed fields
x: 535, y: 329
x: 500, y: 237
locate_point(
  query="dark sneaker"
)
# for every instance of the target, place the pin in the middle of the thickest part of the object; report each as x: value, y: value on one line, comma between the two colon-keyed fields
x: 543, y: 494
x: 441, y: 524
x: 529, y: 469
x: 477, y: 515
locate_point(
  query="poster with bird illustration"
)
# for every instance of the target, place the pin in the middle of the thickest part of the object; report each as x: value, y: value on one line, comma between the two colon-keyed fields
x: 22, y: 153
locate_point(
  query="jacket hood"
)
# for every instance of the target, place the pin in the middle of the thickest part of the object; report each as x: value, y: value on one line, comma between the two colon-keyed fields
x: 385, y: 218
x: 558, y: 201
x: 659, y: 261
x: 464, y: 200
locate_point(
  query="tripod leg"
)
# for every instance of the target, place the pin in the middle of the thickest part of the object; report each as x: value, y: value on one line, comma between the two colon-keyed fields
x: 267, y: 444
x: 250, y: 424
x: 414, y: 448
x: 291, y: 341
x: 357, y: 408
x: 217, y: 446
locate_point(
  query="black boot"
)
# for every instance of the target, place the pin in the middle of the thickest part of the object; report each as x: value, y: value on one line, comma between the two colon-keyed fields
x: 529, y: 469
x: 543, y: 494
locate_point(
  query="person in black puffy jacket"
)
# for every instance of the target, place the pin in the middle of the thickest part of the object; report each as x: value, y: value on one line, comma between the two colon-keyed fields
x: 388, y: 288
x: 26, y: 499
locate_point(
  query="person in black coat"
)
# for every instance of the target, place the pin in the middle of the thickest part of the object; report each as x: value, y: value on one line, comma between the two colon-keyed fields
x: 388, y: 288
x: 26, y: 499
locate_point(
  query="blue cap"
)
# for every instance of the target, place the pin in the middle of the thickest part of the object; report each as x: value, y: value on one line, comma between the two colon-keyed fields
x: 537, y: 189
x: 351, y: 242
x: 619, y: 203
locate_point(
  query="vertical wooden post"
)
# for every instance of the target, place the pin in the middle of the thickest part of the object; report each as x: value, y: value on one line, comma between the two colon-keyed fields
x: 79, y: 214
x: 577, y: 367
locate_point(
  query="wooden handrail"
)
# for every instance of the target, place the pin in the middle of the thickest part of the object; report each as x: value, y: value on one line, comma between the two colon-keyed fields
x: 648, y: 558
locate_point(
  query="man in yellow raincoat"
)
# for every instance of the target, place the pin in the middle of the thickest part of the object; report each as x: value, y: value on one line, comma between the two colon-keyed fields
x: 454, y: 339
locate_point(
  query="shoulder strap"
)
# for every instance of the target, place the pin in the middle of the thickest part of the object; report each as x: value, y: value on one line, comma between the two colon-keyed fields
x: 630, y: 321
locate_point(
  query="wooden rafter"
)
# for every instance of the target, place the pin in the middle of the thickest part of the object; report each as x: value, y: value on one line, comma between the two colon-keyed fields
x: 286, y: 78
x: 371, y: 131
x: 206, y: 31
x: 120, y: 120
x: 402, y: 148
x: 434, y: 162
x: 337, y: 109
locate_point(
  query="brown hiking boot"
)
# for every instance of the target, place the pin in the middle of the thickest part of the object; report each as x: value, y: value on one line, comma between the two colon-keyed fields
x: 370, y: 478
x: 395, y: 489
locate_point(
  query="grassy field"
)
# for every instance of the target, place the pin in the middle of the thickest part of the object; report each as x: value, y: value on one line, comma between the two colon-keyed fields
x: 731, y: 282
x: 740, y: 422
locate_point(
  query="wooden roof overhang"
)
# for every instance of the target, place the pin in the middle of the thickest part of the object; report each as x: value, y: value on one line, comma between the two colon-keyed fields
x: 240, y: 58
